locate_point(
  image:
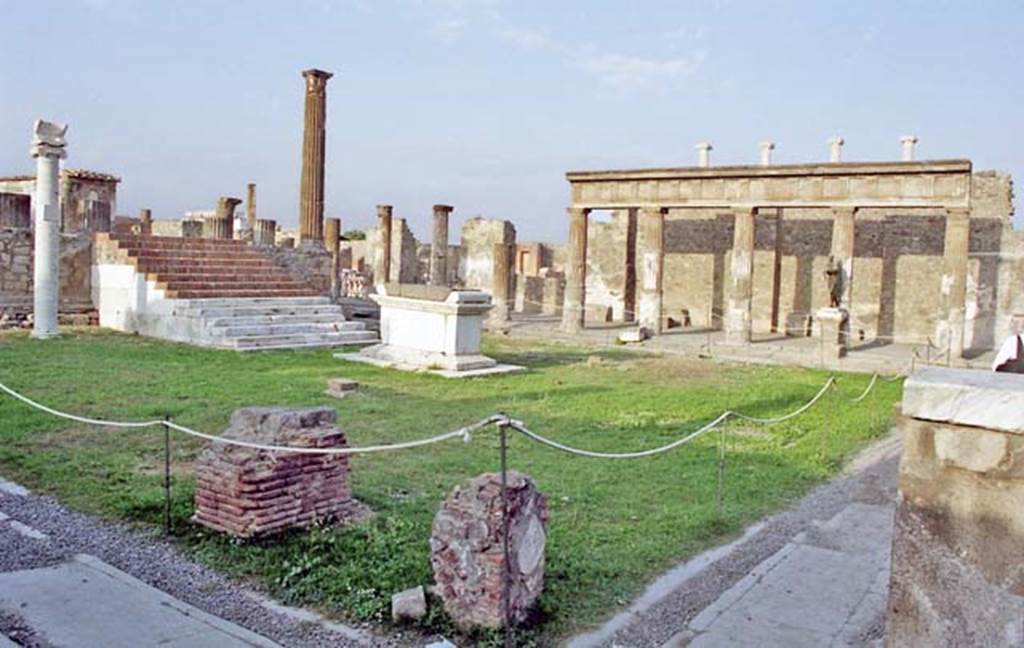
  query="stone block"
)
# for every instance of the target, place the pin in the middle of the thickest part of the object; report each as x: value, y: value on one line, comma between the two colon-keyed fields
x: 341, y: 387
x: 410, y: 605
x: 467, y: 555
x: 966, y: 397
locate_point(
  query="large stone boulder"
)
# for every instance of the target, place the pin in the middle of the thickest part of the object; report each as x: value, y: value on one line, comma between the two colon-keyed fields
x: 467, y: 554
x: 248, y: 492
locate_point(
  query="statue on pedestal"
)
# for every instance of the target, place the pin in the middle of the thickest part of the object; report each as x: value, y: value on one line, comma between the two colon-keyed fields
x: 833, y: 275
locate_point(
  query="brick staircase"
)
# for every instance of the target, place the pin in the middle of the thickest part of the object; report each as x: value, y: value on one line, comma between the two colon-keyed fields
x: 219, y: 293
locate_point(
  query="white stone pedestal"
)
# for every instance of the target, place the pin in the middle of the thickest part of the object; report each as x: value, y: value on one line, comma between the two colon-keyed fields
x: 431, y: 328
x: 835, y: 331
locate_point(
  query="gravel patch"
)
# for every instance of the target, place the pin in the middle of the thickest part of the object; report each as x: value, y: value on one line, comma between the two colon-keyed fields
x: 159, y: 564
x: 14, y: 628
x: 870, y: 478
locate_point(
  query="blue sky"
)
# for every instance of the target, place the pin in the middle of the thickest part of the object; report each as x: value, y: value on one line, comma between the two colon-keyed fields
x: 486, y: 104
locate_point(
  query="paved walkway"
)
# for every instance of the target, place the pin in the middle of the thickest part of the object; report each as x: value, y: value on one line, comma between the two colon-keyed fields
x: 813, y: 575
x: 773, y: 349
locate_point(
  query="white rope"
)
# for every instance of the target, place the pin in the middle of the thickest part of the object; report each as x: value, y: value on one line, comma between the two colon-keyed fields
x: 785, y: 417
x: 518, y: 426
x: 464, y: 432
x: 867, y: 390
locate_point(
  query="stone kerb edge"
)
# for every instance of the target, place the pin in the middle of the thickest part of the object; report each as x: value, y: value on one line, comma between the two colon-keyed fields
x: 967, y: 397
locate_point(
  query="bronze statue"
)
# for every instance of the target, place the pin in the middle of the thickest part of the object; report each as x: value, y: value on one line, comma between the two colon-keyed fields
x: 833, y: 275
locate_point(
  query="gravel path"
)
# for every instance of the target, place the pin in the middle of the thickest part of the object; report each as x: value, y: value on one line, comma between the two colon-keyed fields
x: 156, y: 563
x: 871, y: 479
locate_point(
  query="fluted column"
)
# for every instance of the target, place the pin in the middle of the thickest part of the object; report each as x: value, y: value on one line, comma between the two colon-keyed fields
x: 439, y: 246
x: 311, y: 190
x: 652, y: 259
x: 382, y: 253
x: 48, y: 149
x: 222, y: 224
x: 250, y: 206
x: 332, y: 241
x: 950, y: 320
x: 265, y: 233
x: 576, y: 272
x: 737, y: 317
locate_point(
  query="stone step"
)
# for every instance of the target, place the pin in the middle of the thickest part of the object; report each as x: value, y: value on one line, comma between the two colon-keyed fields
x: 241, y: 313
x: 157, y: 266
x: 173, y: 241
x: 257, y: 301
x: 297, y: 328
x: 196, y: 255
x: 275, y: 283
x: 271, y: 342
x: 229, y: 275
x: 314, y: 316
x: 217, y: 292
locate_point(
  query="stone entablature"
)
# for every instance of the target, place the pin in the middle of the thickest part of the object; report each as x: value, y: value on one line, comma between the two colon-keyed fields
x: 943, y: 183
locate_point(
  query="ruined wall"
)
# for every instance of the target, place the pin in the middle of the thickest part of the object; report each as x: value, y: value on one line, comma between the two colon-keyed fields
x: 957, y: 577
x: 166, y: 227
x: 403, y: 253
x: 16, y: 278
x: 608, y: 244
x: 476, y: 261
x: 312, y: 265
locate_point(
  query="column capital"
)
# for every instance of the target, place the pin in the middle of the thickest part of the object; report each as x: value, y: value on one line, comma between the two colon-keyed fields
x: 316, y: 80
x: 443, y: 208
x: 48, y: 139
x: 958, y: 212
x: 845, y: 210
x: 654, y: 209
x: 384, y: 210
x: 584, y: 211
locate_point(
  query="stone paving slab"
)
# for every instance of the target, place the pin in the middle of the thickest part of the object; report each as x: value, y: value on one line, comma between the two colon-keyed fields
x: 86, y: 602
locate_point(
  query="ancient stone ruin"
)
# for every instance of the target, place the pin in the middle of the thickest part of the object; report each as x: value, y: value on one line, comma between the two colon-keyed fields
x: 467, y: 552
x: 248, y: 492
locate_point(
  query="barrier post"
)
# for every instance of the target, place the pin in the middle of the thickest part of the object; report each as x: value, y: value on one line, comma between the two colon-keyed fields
x: 167, y: 476
x: 503, y: 426
x: 719, y: 501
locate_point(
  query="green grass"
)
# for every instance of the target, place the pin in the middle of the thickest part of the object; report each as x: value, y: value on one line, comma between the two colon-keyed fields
x: 614, y: 524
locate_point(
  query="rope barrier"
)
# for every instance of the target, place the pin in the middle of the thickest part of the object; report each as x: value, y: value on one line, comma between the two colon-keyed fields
x: 803, y: 408
x: 864, y: 394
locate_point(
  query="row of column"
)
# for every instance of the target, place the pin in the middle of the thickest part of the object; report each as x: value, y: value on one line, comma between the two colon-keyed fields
x: 438, y: 245
x: 950, y: 320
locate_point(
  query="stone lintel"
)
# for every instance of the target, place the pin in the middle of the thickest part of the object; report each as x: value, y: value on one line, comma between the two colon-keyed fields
x: 968, y: 397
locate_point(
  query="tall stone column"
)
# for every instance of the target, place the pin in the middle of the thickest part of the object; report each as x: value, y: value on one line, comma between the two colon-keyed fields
x: 950, y: 320
x: 501, y: 288
x: 382, y: 253
x: 222, y: 224
x: 250, y: 206
x: 48, y: 149
x: 576, y: 272
x: 737, y: 315
x: 843, y: 230
x: 311, y: 190
x: 439, y: 246
x: 651, y: 241
x: 265, y: 233
x: 332, y: 241
x: 145, y: 222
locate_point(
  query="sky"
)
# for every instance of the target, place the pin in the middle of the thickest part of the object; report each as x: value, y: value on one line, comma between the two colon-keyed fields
x: 486, y: 104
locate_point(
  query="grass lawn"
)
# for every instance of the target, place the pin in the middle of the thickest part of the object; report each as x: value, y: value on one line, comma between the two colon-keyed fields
x: 614, y: 524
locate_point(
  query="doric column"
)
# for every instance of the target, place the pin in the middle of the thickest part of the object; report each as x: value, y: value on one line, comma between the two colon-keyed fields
x: 704, y: 154
x: 250, y: 206
x: 265, y: 233
x: 332, y: 241
x: 222, y: 224
x: 651, y: 242
x: 145, y: 222
x: 48, y: 149
x: 835, y: 149
x: 842, y: 251
x: 950, y: 320
x: 766, y: 152
x: 501, y: 287
x: 382, y: 254
x: 439, y: 246
x: 576, y: 271
x: 737, y: 316
x: 311, y: 190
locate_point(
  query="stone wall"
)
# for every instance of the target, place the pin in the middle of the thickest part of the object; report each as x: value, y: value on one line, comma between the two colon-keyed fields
x: 166, y: 227
x: 404, y: 262
x: 957, y: 575
x: 312, y: 265
x: 16, y: 274
x: 476, y: 259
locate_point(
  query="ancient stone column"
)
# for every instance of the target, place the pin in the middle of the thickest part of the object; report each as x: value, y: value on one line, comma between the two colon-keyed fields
x: 842, y: 250
x: 766, y: 153
x: 835, y: 149
x: 222, y: 224
x: 576, y: 272
x: 145, y: 222
x: 332, y: 241
x: 704, y: 154
x: 382, y: 253
x: 439, y: 246
x: 250, y: 206
x: 907, y: 142
x: 265, y: 233
x: 48, y: 148
x: 651, y: 244
x: 311, y: 190
x: 950, y: 320
x: 740, y: 293
x: 501, y: 288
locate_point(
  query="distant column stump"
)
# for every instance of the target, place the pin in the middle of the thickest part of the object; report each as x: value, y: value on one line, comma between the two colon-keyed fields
x: 467, y: 554
x: 247, y: 492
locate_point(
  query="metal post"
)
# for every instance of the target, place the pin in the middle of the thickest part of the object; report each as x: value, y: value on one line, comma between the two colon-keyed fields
x: 721, y: 472
x: 507, y: 603
x: 167, y: 476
